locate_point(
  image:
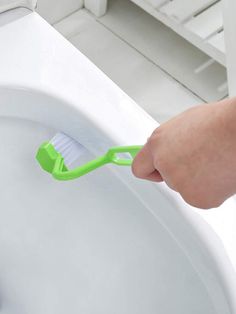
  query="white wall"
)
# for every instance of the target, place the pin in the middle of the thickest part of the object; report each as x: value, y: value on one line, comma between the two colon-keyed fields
x: 55, y: 10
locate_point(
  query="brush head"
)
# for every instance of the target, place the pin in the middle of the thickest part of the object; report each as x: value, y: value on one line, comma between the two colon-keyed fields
x: 69, y: 148
x: 60, y: 146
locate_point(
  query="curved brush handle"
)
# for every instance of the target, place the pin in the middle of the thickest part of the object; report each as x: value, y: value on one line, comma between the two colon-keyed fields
x: 60, y: 172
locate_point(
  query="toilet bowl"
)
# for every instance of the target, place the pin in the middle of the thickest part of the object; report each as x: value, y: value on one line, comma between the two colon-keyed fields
x: 106, y: 243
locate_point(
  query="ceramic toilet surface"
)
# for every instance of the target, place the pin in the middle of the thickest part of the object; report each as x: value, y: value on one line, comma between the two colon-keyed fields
x: 87, y: 246
x: 106, y: 243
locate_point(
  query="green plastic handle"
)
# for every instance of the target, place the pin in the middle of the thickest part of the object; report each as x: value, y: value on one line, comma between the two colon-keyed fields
x: 52, y: 161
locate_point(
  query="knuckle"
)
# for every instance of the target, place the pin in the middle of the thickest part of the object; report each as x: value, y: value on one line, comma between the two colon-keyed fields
x: 192, y: 200
x: 213, y: 203
x: 202, y: 201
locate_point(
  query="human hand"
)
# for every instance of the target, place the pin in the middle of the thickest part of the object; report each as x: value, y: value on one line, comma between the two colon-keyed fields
x: 195, y: 154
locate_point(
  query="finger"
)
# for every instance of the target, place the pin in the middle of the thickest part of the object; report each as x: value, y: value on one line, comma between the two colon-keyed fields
x: 143, y: 167
x: 154, y: 176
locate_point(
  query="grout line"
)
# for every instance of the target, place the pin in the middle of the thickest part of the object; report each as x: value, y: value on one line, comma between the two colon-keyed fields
x: 66, y: 16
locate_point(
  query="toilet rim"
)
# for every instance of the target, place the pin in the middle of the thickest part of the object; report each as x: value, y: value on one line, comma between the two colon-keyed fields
x: 202, y: 240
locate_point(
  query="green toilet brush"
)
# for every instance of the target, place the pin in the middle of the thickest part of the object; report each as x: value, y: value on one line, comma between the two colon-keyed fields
x: 57, y: 155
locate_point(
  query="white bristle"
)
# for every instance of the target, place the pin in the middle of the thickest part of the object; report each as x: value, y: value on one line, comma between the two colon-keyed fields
x: 70, y: 149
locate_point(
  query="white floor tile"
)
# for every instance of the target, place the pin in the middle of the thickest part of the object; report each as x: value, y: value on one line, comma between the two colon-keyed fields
x: 146, y: 83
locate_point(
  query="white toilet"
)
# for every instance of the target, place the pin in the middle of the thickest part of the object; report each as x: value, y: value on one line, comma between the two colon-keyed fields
x: 106, y: 243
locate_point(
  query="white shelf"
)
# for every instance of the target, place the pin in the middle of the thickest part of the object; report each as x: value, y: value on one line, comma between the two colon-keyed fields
x: 198, y: 21
x: 208, y: 22
x: 181, y: 10
x: 169, y: 51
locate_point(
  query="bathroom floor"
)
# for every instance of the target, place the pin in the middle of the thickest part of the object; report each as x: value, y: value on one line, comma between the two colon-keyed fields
x: 139, y: 76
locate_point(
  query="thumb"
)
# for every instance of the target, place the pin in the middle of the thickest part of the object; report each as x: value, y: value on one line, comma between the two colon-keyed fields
x: 143, y: 167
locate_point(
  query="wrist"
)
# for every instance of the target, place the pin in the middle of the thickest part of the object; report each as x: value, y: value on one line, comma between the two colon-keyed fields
x: 229, y: 114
